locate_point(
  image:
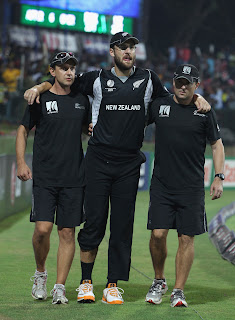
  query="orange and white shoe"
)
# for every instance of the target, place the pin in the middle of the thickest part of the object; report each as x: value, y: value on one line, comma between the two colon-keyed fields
x: 85, y: 292
x: 112, y: 294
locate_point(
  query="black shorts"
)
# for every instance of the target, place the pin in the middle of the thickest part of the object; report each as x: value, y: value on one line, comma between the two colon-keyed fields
x: 183, y: 212
x: 67, y: 203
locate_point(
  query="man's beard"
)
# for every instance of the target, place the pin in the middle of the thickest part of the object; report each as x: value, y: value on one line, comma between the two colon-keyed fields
x: 122, y: 66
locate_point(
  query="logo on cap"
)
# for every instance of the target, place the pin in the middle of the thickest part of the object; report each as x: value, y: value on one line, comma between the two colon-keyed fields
x: 186, y: 70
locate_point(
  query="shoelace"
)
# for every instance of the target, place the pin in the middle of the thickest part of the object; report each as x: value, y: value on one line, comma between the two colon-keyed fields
x: 85, y: 287
x: 58, y: 291
x: 156, y: 287
x: 115, y: 292
x: 40, y: 278
x: 178, y: 294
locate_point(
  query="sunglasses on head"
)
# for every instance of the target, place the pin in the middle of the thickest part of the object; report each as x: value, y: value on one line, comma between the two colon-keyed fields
x: 62, y: 55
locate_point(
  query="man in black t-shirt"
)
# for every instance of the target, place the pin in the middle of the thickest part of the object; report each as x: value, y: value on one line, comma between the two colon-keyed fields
x: 177, y: 186
x: 121, y: 97
x: 58, y: 172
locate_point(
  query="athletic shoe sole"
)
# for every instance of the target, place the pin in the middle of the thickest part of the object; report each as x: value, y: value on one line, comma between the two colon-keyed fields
x: 85, y: 300
x: 36, y: 298
x: 113, y: 302
x: 153, y: 301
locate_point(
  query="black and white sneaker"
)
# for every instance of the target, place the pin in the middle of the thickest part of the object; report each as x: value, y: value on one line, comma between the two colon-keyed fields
x: 157, y: 289
x: 39, y: 289
x: 58, y: 293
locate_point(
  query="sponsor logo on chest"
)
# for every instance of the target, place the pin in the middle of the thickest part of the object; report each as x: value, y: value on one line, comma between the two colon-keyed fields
x: 110, y: 86
x: 196, y: 113
x: 79, y: 106
x: 52, y: 107
x: 164, y: 111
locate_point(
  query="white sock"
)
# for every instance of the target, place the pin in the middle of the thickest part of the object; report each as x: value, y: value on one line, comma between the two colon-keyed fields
x: 58, y: 284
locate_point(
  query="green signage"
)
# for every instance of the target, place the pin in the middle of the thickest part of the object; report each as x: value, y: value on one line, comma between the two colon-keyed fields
x: 74, y: 20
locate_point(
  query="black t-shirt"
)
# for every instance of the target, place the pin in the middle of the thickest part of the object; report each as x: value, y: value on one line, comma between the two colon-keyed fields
x: 119, y: 109
x: 57, y: 150
x: 180, y: 142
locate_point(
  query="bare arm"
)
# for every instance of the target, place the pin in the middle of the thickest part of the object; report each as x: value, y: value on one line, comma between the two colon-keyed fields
x: 34, y: 93
x: 23, y: 171
x: 216, y: 189
x: 201, y: 103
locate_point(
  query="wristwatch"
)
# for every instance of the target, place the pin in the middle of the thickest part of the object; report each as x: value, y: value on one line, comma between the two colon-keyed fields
x: 220, y: 175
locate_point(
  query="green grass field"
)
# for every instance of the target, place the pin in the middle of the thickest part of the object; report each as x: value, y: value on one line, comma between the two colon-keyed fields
x: 210, y: 289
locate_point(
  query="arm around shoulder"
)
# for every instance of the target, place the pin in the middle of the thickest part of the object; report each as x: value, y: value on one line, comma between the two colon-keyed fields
x: 34, y: 93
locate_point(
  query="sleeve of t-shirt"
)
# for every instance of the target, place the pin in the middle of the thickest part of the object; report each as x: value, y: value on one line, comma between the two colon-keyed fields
x: 84, y: 82
x: 158, y: 89
x: 31, y: 116
x: 213, y: 130
x: 152, y: 111
x: 87, y: 118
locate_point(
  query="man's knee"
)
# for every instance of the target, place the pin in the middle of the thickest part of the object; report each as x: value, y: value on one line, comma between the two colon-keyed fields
x: 42, y: 229
x: 66, y: 234
x: 185, y: 240
x: 158, y: 235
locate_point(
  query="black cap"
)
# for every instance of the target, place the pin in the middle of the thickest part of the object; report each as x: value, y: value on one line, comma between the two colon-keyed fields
x: 63, y: 57
x: 187, y: 71
x: 121, y: 37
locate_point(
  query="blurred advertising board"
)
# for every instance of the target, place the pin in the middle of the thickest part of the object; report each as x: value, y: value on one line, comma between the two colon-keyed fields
x: 15, y: 195
x: 221, y: 236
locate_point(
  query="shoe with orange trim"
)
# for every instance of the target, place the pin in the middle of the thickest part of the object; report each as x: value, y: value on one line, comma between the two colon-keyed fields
x: 113, y: 294
x: 85, y: 292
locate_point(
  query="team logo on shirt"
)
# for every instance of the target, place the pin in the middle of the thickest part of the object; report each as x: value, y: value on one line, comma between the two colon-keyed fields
x: 137, y: 84
x: 52, y: 107
x: 164, y: 111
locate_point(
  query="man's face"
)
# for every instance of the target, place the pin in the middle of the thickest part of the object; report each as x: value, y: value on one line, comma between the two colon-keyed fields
x: 64, y: 74
x: 184, y: 90
x: 124, y: 55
